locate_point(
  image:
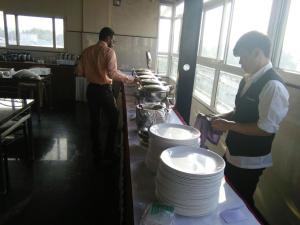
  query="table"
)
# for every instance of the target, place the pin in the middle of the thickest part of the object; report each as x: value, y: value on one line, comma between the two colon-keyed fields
x: 18, y: 111
x: 40, y: 90
x: 142, y: 180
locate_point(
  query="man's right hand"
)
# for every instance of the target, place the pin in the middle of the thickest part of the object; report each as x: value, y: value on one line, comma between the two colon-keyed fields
x: 131, y: 79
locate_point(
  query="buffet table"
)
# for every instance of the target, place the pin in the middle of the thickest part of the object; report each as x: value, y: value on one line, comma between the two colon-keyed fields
x: 143, y: 185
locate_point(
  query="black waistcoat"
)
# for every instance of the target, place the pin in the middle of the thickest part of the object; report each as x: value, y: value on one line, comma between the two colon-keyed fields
x: 246, y: 111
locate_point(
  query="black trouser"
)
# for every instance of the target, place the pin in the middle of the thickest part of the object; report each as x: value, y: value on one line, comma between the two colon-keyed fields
x: 243, y: 180
x: 100, y: 99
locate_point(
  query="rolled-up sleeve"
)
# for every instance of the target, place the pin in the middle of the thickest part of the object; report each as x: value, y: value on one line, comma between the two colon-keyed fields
x: 112, y: 68
x: 273, y: 106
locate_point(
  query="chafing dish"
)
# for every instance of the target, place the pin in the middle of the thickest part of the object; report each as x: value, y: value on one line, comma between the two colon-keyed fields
x: 150, y: 81
x: 147, y: 76
x: 148, y: 114
x: 140, y: 70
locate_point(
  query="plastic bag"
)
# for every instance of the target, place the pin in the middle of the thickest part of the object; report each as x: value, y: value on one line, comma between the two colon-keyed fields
x: 158, y: 214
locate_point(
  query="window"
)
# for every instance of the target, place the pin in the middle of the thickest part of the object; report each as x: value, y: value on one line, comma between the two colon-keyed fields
x: 31, y: 31
x: 248, y: 15
x: 169, y: 38
x: 11, y: 29
x: 203, y: 85
x: 162, y: 64
x: 211, y: 32
x: 290, y: 56
x: 166, y: 11
x: 35, y: 31
x: 2, y: 33
x: 59, y: 33
x: 164, y: 35
x: 176, y: 35
x: 218, y: 72
x: 179, y: 9
x: 227, y: 88
x: 174, y: 68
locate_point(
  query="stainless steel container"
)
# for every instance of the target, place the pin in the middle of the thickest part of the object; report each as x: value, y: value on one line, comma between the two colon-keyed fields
x: 148, y: 114
x: 153, y: 93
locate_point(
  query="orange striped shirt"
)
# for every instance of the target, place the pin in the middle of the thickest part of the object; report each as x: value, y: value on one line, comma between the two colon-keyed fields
x: 98, y: 63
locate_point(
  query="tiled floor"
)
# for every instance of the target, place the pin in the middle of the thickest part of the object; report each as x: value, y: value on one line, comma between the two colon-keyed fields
x: 64, y: 185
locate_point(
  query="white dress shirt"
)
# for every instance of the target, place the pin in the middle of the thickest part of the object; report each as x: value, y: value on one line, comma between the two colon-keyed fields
x: 272, y: 108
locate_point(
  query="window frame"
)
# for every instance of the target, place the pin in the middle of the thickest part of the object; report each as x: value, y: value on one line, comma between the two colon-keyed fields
x: 167, y: 54
x: 175, y: 55
x: 170, y: 53
x: 26, y: 47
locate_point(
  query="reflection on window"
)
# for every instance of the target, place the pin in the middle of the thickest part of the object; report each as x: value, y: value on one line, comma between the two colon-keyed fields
x: 248, y: 15
x: 211, y: 34
x: 162, y: 64
x: 2, y: 34
x: 164, y: 35
x: 59, y: 150
x: 227, y: 88
x: 179, y: 9
x: 176, y: 35
x: 35, y: 31
x: 59, y: 33
x: 203, y: 85
x: 174, y: 68
x: 290, y: 56
x: 11, y: 29
x: 166, y: 11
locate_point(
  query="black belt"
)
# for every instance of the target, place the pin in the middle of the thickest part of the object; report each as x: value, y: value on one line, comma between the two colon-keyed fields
x: 100, y: 85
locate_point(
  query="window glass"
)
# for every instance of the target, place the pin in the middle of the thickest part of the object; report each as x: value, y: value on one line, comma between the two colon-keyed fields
x: 227, y: 88
x: 225, y: 30
x: 176, y: 35
x: 164, y: 35
x: 162, y: 64
x: 211, y: 34
x: 248, y: 15
x: 204, y: 81
x: 59, y: 33
x: 174, y: 68
x: 35, y: 31
x: 11, y: 29
x: 290, y: 56
x: 2, y: 34
x: 179, y: 9
x: 166, y: 11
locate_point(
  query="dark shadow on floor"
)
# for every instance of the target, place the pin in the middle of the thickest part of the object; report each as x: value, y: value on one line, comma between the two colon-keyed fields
x: 64, y: 185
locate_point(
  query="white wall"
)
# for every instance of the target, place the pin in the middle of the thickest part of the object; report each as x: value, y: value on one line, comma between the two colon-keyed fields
x: 135, y: 23
x: 278, y: 193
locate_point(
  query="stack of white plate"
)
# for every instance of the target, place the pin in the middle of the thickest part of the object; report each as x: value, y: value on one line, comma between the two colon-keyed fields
x: 166, y: 135
x: 189, y: 179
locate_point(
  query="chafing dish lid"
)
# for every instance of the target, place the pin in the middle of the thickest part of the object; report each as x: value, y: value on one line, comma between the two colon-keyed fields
x: 155, y: 87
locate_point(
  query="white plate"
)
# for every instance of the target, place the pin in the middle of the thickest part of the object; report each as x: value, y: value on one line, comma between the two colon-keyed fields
x: 193, y: 161
x: 174, y: 131
x: 190, y: 178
